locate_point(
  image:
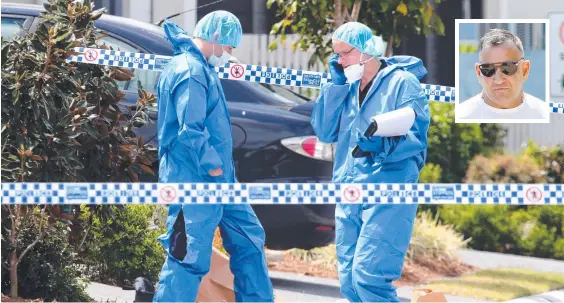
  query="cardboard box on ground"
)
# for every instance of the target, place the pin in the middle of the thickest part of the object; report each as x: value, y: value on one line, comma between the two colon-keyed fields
x: 217, y: 285
x: 427, y: 295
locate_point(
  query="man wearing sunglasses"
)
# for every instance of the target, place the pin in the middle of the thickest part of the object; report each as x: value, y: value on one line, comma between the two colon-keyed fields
x: 501, y: 72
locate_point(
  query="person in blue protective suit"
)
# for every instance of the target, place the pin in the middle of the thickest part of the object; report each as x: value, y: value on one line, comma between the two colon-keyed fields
x: 195, y: 145
x: 372, y: 239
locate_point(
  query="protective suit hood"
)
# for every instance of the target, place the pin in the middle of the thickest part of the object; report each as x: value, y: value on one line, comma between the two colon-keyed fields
x: 410, y: 64
x: 181, y: 41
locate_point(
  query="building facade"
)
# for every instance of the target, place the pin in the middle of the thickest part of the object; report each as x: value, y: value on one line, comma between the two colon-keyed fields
x: 519, y: 134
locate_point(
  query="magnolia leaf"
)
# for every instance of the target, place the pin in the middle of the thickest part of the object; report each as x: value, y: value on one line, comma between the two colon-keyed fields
x: 97, y: 14
x: 126, y: 147
x: 144, y: 160
x: 80, y: 111
x: 134, y: 177
x: 121, y: 74
x: 47, y: 7
x: 146, y: 169
x: 62, y: 37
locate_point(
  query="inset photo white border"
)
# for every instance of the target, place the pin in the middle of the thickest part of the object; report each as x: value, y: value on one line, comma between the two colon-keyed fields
x: 457, y: 69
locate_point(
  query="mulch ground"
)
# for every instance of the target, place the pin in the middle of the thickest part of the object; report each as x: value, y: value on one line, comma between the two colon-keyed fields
x: 418, y: 272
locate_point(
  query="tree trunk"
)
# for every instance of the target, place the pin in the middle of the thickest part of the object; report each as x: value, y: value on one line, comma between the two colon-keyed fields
x: 355, y: 10
x: 13, y: 255
x: 14, y: 274
x: 79, y: 250
x: 14, y: 217
x: 389, y: 46
x: 338, y: 13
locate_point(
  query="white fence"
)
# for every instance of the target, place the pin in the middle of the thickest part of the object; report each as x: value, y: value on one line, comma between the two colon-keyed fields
x: 542, y: 134
x: 254, y: 50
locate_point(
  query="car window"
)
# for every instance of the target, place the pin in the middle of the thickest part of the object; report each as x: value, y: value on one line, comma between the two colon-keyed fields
x: 148, y: 78
x: 117, y: 44
x: 10, y: 27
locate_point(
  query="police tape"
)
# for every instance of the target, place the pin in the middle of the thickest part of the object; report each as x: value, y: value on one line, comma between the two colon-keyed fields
x: 281, y: 193
x: 246, y: 72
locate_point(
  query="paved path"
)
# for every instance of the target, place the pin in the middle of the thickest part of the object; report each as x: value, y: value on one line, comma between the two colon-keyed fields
x: 552, y: 296
x: 102, y: 293
x: 487, y: 260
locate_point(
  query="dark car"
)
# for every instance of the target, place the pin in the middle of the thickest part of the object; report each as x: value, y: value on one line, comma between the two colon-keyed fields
x: 273, y: 140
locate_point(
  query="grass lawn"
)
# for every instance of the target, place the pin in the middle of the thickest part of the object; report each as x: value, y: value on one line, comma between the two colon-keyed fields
x: 499, y: 284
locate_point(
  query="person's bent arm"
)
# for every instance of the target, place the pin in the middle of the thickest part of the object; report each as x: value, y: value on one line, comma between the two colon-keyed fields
x: 191, y: 106
x: 398, y: 148
x: 326, y: 113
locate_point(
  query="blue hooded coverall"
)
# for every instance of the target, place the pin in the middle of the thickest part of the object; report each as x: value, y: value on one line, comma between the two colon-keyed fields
x: 372, y: 239
x: 194, y: 132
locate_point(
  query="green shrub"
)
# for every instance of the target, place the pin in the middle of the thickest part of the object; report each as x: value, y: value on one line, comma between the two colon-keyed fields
x: 535, y: 164
x: 47, y: 270
x: 431, y: 173
x: 544, y: 232
x: 126, y: 247
x: 504, y: 169
x: 550, y: 161
x: 433, y: 240
x: 452, y: 146
x: 489, y: 227
x: 559, y: 249
x: 524, y: 230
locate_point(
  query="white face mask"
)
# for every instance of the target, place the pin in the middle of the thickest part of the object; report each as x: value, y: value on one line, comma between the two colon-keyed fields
x: 354, y: 72
x: 219, y: 61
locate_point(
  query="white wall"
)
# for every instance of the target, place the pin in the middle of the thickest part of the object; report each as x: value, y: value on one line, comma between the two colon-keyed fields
x: 519, y: 134
x: 520, y: 9
x: 155, y: 10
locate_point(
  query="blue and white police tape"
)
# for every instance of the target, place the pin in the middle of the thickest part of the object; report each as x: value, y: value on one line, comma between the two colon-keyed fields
x: 246, y: 72
x: 281, y: 193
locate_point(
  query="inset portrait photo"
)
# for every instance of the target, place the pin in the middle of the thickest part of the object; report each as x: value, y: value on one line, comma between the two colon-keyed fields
x: 501, y: 71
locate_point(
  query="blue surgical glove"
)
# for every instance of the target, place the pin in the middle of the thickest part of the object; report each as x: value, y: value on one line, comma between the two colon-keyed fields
x: 366, y: 144
x: 362, y: 141
x: 337, y: 71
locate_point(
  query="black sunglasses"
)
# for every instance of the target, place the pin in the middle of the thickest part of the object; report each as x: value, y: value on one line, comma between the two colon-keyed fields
x: 509, y: 68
